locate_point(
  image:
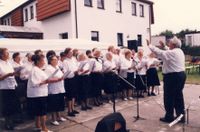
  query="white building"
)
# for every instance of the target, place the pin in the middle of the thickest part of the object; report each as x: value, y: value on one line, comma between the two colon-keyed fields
x: 107, y: 21
x: 192, y: 39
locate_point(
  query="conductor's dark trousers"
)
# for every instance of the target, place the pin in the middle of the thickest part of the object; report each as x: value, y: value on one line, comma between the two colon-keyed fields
x: 173, y: 93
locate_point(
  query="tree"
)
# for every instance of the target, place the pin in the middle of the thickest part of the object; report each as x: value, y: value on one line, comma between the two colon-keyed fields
x: 167, y: 33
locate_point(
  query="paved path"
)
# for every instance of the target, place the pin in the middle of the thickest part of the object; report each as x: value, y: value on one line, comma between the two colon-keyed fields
x: 151, y: 108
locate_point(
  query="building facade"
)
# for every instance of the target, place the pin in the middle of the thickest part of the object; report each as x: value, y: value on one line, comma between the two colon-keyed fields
x: 108, y: 21
x: 192, y: 39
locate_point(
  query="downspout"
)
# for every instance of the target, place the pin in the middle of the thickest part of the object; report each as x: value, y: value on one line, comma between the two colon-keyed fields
x: 76, y: 20
x: 150, y: 17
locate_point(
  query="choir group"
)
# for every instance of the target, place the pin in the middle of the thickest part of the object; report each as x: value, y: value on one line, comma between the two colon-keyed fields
x: 47, y: 83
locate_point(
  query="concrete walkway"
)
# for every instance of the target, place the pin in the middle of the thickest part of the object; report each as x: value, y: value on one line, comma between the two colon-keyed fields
x: 151, y: 109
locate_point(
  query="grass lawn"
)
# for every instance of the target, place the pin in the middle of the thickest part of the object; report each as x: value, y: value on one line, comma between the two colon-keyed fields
x: 192, y: 78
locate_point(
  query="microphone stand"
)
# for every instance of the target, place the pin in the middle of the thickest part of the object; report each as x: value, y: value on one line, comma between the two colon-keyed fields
x: 137, y: 117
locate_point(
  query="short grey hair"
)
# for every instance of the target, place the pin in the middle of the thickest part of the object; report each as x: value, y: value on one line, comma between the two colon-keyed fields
x: 176, y: 41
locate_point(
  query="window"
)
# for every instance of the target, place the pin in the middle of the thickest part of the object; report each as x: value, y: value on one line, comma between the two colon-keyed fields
x: 5, y: 22
x: 9, y: 21
x: 134, y: 9
x: 31, y: 12
x: 189, y: 42
x: 120, y: 39
x: 141, y: 10
x: 118, y: 5
x: 26, y: 15
x: 95, y: 36
x: 100, y: 4
x: 64, y: 35
x: 88, y: 3
x: 139, y: 36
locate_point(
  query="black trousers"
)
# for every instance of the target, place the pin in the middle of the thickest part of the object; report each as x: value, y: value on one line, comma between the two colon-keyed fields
x: 173, y: 94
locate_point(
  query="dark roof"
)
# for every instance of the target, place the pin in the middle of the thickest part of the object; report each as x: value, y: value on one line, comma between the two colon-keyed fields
x: 194, y: 32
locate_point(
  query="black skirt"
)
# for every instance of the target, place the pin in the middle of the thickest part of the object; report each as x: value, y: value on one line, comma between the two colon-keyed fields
x: 152, y: 77
x: 84, y: 87
x: 96, y: 84
x: 111, y: 83
x: 71, y: 85
x: 140, y: 82
x: 37, y: 106
x: 56, y: 102
x: 131, y: 80
x: 9, y: 103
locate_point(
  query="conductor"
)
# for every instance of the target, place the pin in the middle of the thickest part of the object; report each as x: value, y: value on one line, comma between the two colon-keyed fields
x: 173, y: 77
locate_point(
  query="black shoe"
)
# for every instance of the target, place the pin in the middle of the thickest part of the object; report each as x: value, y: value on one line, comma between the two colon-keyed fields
x: 71, y: 114
x: 153, y: 94
x: 75, y: 112
x: 83, y: 108
x: 88, y: 107
x: 141, y: 96
x: 96, y: 104
x: 9, y: 127
x: 149, y: 94
x: 163, y: 119
x: 100, y: 103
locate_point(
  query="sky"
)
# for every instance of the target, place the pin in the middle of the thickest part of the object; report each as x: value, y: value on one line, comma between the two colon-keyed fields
x: 174, y: 15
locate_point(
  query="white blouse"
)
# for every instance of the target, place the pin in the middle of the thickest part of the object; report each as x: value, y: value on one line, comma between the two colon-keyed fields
x: 57, y: 87
x: 26, y: 71
x: 108, y: 65
x: 70, y: 66
x: 84, y: 66
x: 34, y: 89
x: 96, y: 65
x: 152, y: 63
x: 9, y: 82
x: 141, y: 66
x: 125, y: 64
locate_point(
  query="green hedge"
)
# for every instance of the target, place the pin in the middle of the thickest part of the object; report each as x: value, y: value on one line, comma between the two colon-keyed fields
x: 193, y: 51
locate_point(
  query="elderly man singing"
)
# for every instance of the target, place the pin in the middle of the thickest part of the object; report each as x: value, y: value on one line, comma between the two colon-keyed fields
x: 173, y: 77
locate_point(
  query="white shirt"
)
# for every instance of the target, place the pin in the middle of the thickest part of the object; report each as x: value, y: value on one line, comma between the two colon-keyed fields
x: 34, y: 89
x: 70, y: 66
x: 96, y: 65
x: 26, y: 71
x: 16, y: 65
x: 125, y: 64
x: 141, y: 66
x: 116, y: 59
x: 108, y: 65
x: 61, y: 65
x: 173, y: 60
x: 9, y: 82
x: 84, y: 66
x: 57, y: 87
x: 152, y: 61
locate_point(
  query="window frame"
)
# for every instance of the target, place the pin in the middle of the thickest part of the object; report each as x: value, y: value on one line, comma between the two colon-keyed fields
x: 120, y: 36
x: 64, y: 37
x: 31, y: 12
x: 135, y: 9
x: 141, y: 10
x: 102, y: 4
x: 120, y: 6
x: 25, y: 14
x: 97, y: 37
x: 88, y: 5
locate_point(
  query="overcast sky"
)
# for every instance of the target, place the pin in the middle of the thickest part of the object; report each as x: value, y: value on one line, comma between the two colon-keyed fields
x: 173, y: 15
